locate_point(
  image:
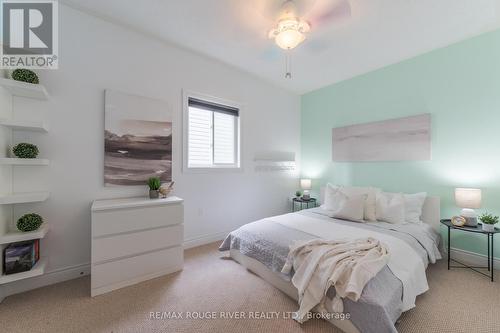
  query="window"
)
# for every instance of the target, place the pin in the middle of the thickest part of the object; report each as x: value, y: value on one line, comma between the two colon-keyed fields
x: 212, y: 134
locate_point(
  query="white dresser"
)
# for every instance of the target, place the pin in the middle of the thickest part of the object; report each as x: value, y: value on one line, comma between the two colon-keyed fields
x: 135, y: 239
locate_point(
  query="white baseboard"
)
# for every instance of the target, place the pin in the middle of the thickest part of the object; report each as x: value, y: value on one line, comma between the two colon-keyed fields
x: 56, y: 276
x: 205, y: 239
x: 472, y: 258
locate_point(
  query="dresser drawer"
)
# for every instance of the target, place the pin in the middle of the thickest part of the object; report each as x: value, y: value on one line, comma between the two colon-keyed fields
x: 135, y: 269
x: 125, y: 245
x: 109, y: 222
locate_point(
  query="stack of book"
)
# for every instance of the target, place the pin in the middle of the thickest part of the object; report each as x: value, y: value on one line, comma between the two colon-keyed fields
x: 21, y: 257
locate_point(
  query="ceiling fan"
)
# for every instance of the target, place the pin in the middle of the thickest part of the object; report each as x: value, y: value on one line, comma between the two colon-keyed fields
x: 296, y: 18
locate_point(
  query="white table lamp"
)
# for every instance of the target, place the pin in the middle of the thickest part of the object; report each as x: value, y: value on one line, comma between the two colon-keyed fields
x: 306, y: 185
x: 468, y: 199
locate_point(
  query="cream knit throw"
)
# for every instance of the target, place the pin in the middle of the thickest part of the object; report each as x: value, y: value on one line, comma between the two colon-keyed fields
x: 320, y: 264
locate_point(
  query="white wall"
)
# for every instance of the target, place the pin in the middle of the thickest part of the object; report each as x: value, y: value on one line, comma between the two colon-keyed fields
x: 97, y: 55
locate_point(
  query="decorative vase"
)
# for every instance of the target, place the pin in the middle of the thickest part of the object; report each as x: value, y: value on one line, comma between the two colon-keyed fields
x: 165, y: 190
x: 153, y: 194
x: 488, y: 227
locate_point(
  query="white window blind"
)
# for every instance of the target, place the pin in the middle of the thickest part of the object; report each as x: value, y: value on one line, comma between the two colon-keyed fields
x: 200, y: 137
x: 212, y: 135
x: 224, y: 152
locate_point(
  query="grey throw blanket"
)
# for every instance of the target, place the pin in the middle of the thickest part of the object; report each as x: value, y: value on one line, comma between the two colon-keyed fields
x: 380, y: 304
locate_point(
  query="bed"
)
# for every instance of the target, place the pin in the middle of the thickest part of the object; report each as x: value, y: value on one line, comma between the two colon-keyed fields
x: 262, y: 247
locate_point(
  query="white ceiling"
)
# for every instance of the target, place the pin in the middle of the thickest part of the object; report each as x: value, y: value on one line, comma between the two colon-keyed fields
x: 376, y: 33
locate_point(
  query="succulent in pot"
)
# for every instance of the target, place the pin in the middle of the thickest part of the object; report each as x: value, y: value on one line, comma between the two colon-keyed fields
x: 154, y: 184
x: 489, y: 222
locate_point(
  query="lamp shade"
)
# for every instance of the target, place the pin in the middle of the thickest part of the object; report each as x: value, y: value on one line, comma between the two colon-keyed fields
x: 305, y: 184
x: 468, y: 197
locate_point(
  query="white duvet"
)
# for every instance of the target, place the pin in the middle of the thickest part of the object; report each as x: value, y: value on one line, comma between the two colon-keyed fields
x: 404, y: 262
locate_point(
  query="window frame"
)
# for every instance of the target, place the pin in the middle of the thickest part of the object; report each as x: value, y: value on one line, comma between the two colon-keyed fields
x: 186, y: 94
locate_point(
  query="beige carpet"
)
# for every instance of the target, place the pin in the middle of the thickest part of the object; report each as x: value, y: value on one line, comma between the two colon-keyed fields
x: 458, y: 301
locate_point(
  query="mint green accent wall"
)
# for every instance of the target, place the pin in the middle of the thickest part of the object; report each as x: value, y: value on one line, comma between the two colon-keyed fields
x: 459, y: 86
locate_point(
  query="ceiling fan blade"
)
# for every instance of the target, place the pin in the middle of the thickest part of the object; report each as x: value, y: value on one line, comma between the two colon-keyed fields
x: 270, y: 9
x: 274, y: 9
x: 339, y: 10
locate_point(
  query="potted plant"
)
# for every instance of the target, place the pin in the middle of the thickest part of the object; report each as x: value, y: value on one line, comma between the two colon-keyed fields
x: 154, y: 184
x: 29, y: 222
x: 489, y: 222
x: 298, y: 194
x: 25, y: 150
x: 25, y: 75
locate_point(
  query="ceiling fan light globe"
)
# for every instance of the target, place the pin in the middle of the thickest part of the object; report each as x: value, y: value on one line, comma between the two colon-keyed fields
x: 289, y: 39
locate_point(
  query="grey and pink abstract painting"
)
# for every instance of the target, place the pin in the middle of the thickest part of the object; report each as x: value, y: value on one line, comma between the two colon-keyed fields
x: 402, y: 139
x: 137, y: 139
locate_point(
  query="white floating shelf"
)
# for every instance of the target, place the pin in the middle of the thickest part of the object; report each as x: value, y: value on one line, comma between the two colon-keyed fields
x: 275, y: 156
x: 37, y: 270
x: 19, y: 236
x: 24, y: 89
x: 16, y: 198
x: 23, y: 125
x: 23, y: 161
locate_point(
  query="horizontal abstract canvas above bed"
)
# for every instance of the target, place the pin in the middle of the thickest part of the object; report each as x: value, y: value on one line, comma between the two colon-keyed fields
x: 402, y: 139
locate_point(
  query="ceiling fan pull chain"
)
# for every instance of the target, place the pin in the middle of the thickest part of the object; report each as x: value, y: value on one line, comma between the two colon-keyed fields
x: 288, y: 64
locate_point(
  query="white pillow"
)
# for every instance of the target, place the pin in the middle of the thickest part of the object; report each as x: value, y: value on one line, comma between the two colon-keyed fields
x: 351, y: 208
x: 370, y: 203
x: 344, y: 207
x: 390, y: 207
x: 330, y: 200
x: 413, y: 206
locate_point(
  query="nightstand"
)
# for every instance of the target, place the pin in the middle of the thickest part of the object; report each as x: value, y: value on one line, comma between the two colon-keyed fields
x: 477, y: 230
x: 299, y: 204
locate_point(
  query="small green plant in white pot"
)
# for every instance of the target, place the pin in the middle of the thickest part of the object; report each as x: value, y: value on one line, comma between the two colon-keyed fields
x: 154, y: 184
x: 489, y: 222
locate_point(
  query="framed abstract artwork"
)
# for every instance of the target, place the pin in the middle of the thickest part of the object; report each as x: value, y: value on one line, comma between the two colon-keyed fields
x: 137, y: 139
x: 402, y: 139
